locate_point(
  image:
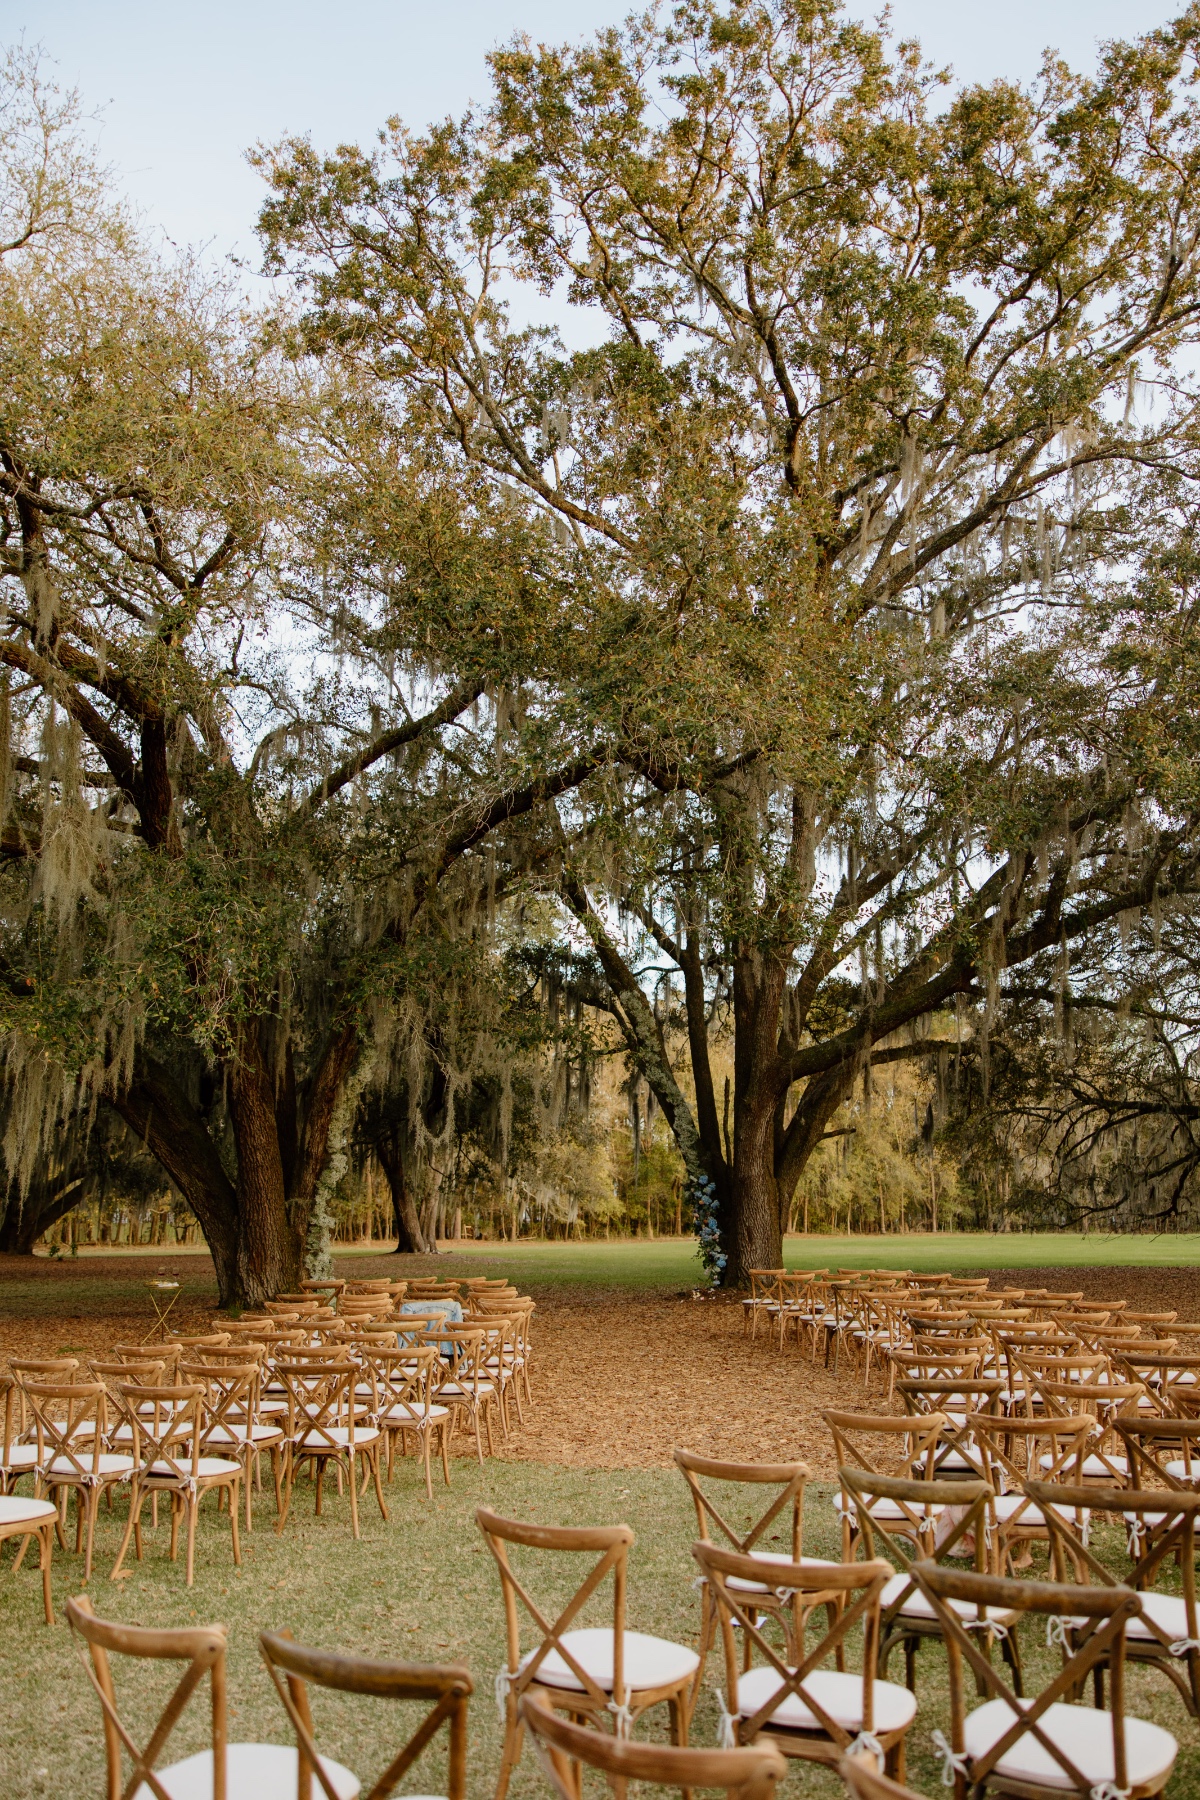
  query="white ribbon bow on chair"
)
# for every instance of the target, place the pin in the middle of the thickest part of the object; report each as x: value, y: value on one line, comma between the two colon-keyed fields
x: 954, y: 1762
x: 866, y: 1744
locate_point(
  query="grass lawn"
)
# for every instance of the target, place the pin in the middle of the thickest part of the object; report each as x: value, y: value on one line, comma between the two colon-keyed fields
x: 421, y: 1587
x: 672, y: 1262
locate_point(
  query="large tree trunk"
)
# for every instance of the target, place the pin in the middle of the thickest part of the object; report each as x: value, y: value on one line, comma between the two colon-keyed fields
x: 390, y: 1151
x: 754, y: 1239
x: 23, y: 1225
x: 269, y: 1247
x: 157, y: 1110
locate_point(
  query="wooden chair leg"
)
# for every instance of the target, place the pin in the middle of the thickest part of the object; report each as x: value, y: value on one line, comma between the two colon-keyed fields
x: 378, y: 1484
x: 353, y: 1484
x: 46, y: 1545
x: 233, y: 1520
x: 282, y: 1509
x: 193, y: 1507
x: 446, y: 1450
x: 135, y: 1506
x: 514, y: 1737
x: 426, y: 1447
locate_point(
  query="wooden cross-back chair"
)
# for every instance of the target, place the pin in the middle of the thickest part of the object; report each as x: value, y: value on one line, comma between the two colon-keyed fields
x: 939, y: 1365
x: 811, y: 1713
x: 1005, y: 1452
x: 230, y: 1427
x: 1171, y: 1377
x: 763, y: 1301
x: 168, y: 1460
x: 863, y: 1440
x: 595, y: 1672
x: 1166, y: 1634
x: 323, y: 1428
x: 406, y: 1381
x: 17, y: 1457
x: 1103, y: 1401
x: 71, y: 1421
x: 465, y: 1385
x: 563, y: 1749
x: 958, y: 1402
x: 223, y: 1771
x: 1160, y: 1452
x: 906, y: 1616
x: 22, y: 1517
x: 784, y: 1507
x: 1038, y: 1746
x: 294, y: 1668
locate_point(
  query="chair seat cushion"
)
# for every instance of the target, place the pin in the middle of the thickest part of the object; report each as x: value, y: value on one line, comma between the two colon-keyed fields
x: 15, y: 1511
x: 839, y: 1693
x: 252, y: 1772
x: 892, y: 1509
x: 763, y: 1587
x: 650, y: 1662
x: 238, y: 1434
x: 20, y: 1456
x: 1167, y: 1611
x: 1095, y: 1466
x: 412, y: 1415
x: 1007, y: 1506
x: 331, y: 1437
x: 1085, y: 1734
x: 207, y: 1466
x: 456, y: 1391
x: 918, y: 1606
x: 1182, y: 1469
x: 62, y: 1466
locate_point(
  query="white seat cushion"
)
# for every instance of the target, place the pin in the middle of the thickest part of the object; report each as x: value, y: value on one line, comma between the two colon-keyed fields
x: 238, y: 1434
x: 918, y: 1606
x: 1084, y: 1733
x: 409, y: 1415
x: 207, y: 1465
x: 1180, y: 1469
x: 252, y: 1772
x: 1102, y: 1466
x: 330, y: 1435
x: 763, y: 1587
x: 455, y: 1390
x: 892, y: 1509
x: 1007, y: 1505
x: 108, y: 1465
x: 650, y: 1662
x: 840, y: 1694
x: 1168, y: 1612
x: 15, y: 1511
x: 20, y: 1456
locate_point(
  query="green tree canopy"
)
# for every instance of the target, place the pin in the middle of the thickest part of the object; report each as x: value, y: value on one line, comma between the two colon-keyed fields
x: 872, y: 479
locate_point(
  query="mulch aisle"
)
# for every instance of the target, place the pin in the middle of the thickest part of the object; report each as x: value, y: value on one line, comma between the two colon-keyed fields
x: 620, y: 1378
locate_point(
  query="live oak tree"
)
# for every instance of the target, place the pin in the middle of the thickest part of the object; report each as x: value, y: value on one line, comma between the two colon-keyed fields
x: 253, y: 720
x: 874, y: 389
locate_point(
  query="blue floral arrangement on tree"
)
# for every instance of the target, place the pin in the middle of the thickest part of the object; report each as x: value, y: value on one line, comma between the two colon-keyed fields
x: 703, y: 1195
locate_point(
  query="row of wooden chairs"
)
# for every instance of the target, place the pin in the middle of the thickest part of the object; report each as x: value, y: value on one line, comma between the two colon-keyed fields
x: 189, y: 1417
x: 785, y: 1703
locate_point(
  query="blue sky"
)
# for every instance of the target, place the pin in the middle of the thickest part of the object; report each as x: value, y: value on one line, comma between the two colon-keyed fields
x: 184, y: 89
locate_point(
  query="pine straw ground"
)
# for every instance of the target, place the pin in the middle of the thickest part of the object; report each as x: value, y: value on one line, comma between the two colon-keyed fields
x: 621, y: 1376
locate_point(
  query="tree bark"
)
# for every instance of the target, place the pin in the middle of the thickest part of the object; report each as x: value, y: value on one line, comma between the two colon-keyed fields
x: 390, y: 1151
x: 269, y: 1247
x: 155, y: 1108
x: 22, y: 1226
